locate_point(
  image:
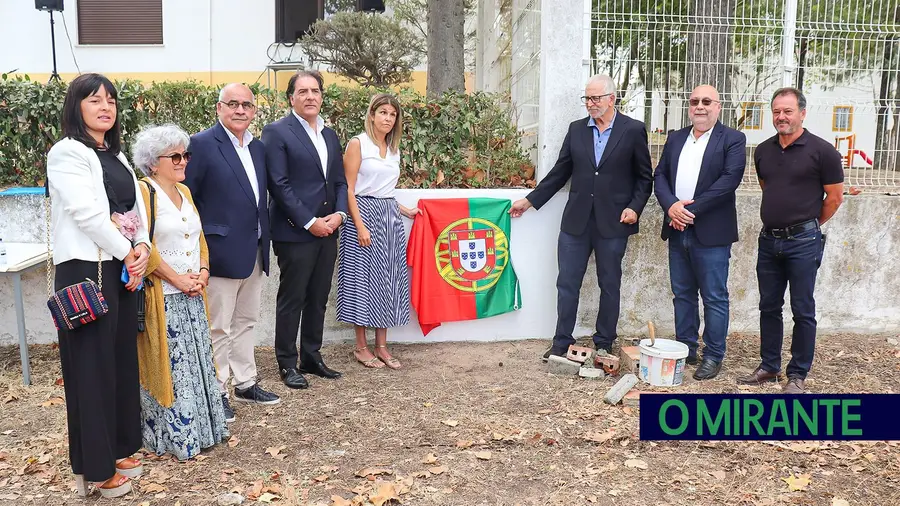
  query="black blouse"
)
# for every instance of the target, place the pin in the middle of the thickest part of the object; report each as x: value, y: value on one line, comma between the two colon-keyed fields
x: 118, y: 181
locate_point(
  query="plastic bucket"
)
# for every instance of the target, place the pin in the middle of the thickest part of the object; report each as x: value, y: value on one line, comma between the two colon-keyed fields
x: 662, y: 365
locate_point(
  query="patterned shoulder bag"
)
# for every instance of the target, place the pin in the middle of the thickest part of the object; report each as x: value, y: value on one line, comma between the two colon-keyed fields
x: 78, y: 304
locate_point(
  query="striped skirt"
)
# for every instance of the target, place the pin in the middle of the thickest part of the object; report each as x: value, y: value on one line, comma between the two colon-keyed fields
x: 373, y: 281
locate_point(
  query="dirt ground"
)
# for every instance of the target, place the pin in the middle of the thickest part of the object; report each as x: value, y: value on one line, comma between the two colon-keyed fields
x: 468, y: 424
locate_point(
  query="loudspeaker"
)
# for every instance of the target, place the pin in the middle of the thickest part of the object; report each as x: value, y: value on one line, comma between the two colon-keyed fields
x: 370, y: 5
x: 48, y: 5
x: 294, y: 17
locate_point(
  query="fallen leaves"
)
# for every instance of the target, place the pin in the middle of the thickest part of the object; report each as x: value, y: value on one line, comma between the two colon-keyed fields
x: 450, y: 423
x: 153, y: 488
x: 437, y: 470
x: 483, y: 455
x: 52, y: 402
x: 636, y: 464
x: 275, y: 451
x: 719, y: 475
x: 233, y: 441
x: 10, y: 398
x: 463, y: 444
x: 836, y: 501
x: 373, y: 471
x: 268, y: 497
x: 601, y: 437
x: 385, y: 493
x: 430, y: 459
x: 797, y: 483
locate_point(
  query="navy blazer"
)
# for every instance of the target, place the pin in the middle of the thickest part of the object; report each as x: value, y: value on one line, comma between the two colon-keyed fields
x: 721, y: 171
x: 230, y: 214
x: 299, y: 188
x: 622, y: 178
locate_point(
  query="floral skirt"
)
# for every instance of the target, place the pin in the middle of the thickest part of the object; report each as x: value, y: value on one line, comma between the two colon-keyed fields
x: 196, y: 419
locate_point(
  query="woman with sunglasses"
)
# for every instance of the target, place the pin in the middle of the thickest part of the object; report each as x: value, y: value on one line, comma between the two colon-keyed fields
x: 181, y: 407
x: 91, y: 185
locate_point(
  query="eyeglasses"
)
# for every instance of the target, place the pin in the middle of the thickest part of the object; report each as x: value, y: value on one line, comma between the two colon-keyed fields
x: 233, y: 105
x: 176, y: 157
x: 706, y: 101
x: 594, y: 98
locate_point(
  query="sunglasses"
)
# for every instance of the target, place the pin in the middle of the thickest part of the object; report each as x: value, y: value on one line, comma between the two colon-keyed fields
x: 176, y: 157
x: 706, y: 101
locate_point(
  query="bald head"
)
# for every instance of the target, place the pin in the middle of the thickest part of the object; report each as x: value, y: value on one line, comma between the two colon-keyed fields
x: 704, y: 108
x: 236, y: 108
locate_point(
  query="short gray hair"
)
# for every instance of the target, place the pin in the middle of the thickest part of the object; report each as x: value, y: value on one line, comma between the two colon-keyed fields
x: 153, y: 141
x: 609, y: 86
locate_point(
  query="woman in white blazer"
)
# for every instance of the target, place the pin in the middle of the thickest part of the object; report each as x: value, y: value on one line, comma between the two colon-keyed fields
x: 90, y: 180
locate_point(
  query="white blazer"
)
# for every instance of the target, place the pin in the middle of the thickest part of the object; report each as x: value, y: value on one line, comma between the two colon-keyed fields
x: 79, y: 206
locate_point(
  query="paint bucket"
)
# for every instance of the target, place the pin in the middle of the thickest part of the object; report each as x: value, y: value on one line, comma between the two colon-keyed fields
x: 662, y: 361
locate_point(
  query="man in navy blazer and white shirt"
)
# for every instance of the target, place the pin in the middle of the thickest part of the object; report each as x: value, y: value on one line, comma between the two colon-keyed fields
x: 695, y: 182
x: 308, y: 205
x: 227, y: 178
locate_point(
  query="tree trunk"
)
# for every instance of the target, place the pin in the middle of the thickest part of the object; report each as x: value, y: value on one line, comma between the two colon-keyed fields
x: 801, y: 62
x: 446, y: 39
x: 709, y: 49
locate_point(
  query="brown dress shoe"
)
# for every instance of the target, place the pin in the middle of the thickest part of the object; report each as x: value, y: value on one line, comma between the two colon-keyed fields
x: 795, y: 386
x: 759, y: 375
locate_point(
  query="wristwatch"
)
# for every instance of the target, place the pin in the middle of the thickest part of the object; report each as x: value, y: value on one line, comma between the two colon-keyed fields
x: 343, y: 216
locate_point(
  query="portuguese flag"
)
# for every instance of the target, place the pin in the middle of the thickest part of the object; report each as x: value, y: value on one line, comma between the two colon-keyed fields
x: 459, y: 253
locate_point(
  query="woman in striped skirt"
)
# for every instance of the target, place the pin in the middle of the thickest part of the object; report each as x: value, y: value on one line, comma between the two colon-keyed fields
x: 373, y: 281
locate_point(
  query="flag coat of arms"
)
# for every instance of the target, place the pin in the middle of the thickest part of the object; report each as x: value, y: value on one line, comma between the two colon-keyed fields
x: 459, y: 253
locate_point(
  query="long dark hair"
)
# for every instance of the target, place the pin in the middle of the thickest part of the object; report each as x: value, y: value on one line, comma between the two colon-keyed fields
x: 73, y: 124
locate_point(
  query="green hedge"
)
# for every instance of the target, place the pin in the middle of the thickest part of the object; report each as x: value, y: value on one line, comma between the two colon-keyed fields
x: 455, y: 141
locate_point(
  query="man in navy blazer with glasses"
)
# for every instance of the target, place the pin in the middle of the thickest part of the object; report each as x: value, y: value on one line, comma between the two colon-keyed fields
x: 308, y: 205
x: 698, y: 173
x: 227, y: 178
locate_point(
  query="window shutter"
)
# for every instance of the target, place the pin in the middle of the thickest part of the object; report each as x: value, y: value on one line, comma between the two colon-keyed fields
x: 120, y: 22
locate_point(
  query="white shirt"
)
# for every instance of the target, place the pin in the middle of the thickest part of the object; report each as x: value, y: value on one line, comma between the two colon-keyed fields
x: 177, y: 235
x: 689, y: 164
x: 377, y: 176
x: 243, y: 153
x: 318, y: 140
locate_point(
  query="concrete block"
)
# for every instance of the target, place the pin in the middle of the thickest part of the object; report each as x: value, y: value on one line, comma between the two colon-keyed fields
x: 629, y: 359
x: 591, y: 372
x: 562, y: 366
x: 579, y: 354
x: 621, y: 388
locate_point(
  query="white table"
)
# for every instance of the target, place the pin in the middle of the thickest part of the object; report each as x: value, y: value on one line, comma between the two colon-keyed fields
x: 22, y: 257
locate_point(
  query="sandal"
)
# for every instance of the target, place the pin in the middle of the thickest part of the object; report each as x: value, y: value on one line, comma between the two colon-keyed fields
x: 391, y: 362
x: 372, y: 363
x: 129, y: 467
x: 116, y: 486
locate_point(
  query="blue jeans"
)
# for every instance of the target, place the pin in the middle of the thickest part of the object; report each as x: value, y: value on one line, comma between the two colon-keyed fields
x: 692, y: 268
x: 793, y: 260
x: 573, y: 254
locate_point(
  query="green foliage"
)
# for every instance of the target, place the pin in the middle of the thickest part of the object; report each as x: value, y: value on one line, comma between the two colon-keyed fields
x: 373, y: 50
x: 456, y: 140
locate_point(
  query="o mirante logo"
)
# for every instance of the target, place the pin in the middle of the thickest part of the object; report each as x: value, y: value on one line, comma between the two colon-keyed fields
x: 471, y: 254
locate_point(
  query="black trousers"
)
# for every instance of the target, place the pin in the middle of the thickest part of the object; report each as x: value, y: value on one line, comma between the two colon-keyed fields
x: 100, y: 375
x: 303, y: 287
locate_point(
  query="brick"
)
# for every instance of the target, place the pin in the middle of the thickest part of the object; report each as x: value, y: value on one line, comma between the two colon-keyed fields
x: 629, y: 359
x: 591, y: 373
x: 615, y: 394
x: 609, y: 363
x: 562, y: 366
x: 579, y: 354
x: 632, y: 398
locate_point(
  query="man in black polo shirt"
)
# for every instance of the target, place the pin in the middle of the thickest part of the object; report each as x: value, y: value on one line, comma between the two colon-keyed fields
x: 795, y: 169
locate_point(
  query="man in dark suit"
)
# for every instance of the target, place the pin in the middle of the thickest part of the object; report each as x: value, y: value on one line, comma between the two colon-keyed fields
x: 309, y: 203
x: 227, y: 177
x: 608, y: 160
x: 698, y: 173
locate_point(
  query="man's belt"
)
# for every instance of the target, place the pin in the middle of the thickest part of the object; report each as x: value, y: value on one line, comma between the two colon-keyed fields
x: 792, y: 230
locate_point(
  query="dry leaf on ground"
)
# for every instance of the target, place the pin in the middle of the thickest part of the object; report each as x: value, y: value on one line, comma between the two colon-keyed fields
x: 275, y: 451
x: 233, y: 441
x: 386, y: 492
x: 51, y: 401
x: 373, y: 471
x: 719, y: 475
x: 835, y: 501
x: 463, y: 444
x: 636, y: 463
x: 153, y: 488
x: 268, y: 497
x: 797, y: 483
x: 485, y: 455
x: 601, y: 437
x: 337, y: 500
x: 437, y: 470
x: 430, y: 459
x: 450, y: 423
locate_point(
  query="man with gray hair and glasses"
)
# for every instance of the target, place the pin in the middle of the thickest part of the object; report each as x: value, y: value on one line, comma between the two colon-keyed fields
x: 607, y: 158
x: 227, y: 177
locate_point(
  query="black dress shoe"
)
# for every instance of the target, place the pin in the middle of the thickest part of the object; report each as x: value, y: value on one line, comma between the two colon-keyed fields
x: 319, y: 369
x: 293, y: 379
x: 708, y: 369
x: 691, y: 358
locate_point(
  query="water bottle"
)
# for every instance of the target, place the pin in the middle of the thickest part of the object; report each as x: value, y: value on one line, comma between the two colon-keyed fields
x: 2, y: 255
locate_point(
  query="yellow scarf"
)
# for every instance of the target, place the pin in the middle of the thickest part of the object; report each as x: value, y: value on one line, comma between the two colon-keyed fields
x: 153, y: 345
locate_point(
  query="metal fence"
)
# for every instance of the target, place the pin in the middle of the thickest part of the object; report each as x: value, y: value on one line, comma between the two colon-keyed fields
x: 843, y: 54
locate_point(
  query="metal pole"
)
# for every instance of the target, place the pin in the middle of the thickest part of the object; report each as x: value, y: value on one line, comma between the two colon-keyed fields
x: 20, y: 319
x: 54, y: 75
x: 787, y: 42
